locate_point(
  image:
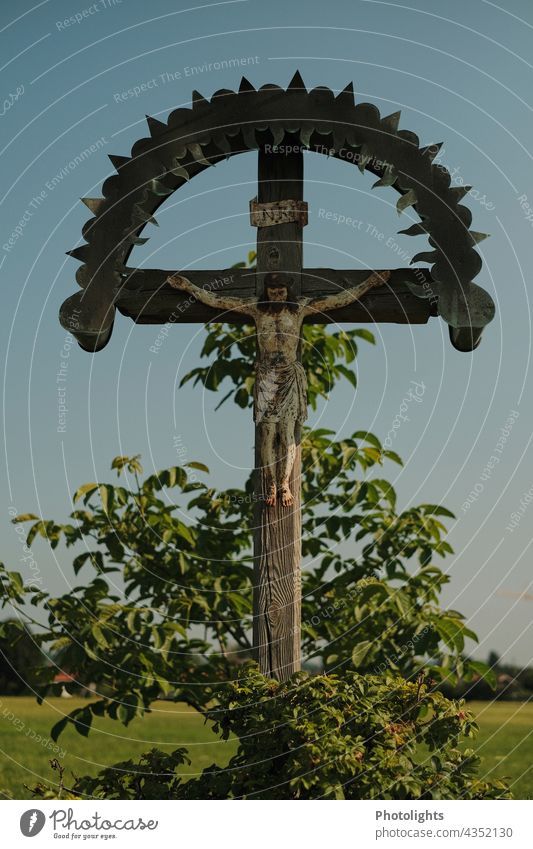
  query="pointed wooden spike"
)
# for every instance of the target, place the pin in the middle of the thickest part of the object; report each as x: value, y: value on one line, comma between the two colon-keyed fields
x: 425, y: 256
x: 460, y: 191
x: 156, y: 127
x: 118, y: 161
x: 248, y: 134
x: 478, y: 237
x: 431, y: 150
x: 198, y: 154
x: 93, y: 204
x: 179, y: 170
x: 365, y: 155
x: 390, y: 122
x: 408, y: 199
x: 305, y: 135
x: 198, y: 99
x: 142, y: 215
x: 79, y: 253
x: 418, y: 289
x: 414, y: 230
x: 389, y: 178
x: 297, y: 82
x: 245, y: 85
x: 277, y: 134
x: 221, y: 142
x: 347, y: 94
x: 158, y: 188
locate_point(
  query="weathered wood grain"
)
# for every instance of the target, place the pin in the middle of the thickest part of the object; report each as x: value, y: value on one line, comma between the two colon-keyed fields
x: 278, y: 529
x: 149, y: 300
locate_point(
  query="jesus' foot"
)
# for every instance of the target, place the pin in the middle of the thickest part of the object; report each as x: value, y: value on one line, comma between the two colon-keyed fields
x: 287, y: 499
x: 271, y: 492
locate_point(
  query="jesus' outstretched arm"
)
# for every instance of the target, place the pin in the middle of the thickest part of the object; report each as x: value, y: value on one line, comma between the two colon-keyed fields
x: 213, y: 299
x: 347, y: 296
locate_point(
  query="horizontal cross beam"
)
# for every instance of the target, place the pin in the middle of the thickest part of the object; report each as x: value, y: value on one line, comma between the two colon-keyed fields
x: 148, y: 299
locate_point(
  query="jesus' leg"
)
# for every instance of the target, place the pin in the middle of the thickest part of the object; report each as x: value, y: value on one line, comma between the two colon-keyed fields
x: 268, y: 461
x: 287, y: 458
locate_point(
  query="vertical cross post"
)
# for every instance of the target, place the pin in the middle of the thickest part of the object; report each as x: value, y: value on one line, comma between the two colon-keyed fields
x: 277, y: 532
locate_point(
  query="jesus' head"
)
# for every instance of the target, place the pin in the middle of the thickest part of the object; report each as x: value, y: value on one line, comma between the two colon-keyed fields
x: 277, y: 293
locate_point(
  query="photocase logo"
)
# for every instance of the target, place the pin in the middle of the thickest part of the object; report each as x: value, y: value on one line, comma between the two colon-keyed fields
x: 32, y: 822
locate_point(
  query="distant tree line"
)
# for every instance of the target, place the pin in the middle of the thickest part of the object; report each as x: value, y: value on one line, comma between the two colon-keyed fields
x: 512, y: 683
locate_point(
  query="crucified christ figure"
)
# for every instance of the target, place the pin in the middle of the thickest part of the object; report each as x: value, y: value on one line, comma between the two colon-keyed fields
x: 280, y: 391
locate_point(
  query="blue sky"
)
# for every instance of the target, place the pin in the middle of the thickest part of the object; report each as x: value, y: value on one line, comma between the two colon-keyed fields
x: 458, y: 71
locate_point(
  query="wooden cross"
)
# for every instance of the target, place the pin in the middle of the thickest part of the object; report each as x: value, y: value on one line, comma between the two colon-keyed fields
x: 290, y: 121
x: 277, y: 528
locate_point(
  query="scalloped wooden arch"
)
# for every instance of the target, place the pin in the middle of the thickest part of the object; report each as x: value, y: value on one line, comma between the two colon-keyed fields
x: 235, y: 122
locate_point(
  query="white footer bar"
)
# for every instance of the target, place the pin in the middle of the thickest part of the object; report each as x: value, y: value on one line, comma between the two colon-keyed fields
x: 268, y: 825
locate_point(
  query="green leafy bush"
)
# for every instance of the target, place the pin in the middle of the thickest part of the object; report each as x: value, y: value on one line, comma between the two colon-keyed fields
x: 319, y: 737
x: 370, y: 606
x: 185, y: 617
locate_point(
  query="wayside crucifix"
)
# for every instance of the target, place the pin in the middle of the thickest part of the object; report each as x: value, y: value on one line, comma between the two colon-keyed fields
x: 280, y: 391
x: 279, y: 295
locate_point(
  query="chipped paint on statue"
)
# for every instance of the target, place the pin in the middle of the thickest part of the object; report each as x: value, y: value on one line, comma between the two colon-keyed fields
x: 280, y: 391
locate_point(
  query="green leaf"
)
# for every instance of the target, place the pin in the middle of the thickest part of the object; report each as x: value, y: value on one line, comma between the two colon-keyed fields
x: 350, y: 375
x: 368, y: 437
x: 99, y: 636
x: 25, y: 517
x: 242, y: 398
x: 99, y: 708
x: 16, y: 580
x: 119, y: 463
x: 451, y: 632
x: 106, y: 496
x: 402, y: 603
x: 195, y: 465
x: 362, y: 333
x: 82, y: 721
x: 373, y: 454
x: 210, y: 344
x: 360, y: 651
x: 125, y: 713
x: 133, y: 621
x: 387, y: 489
x: 185, y: 532
x: 80, y: 560
x: 375, y: 588
x: 437, y: 510
x: 58, y: 728
x: 86, y: 489
x: 391, y: 455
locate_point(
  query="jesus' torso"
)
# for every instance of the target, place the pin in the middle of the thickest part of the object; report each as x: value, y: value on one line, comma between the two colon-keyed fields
x: 278, y: 335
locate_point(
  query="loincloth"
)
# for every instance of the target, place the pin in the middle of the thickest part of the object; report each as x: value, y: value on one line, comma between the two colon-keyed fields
x: 280, y: 392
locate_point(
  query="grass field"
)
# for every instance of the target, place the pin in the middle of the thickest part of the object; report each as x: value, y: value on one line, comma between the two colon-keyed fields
x: 505, y: 741
x: 23, y: 760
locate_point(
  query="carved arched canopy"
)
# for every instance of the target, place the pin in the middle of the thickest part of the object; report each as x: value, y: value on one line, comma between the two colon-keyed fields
x: 235, y: 122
